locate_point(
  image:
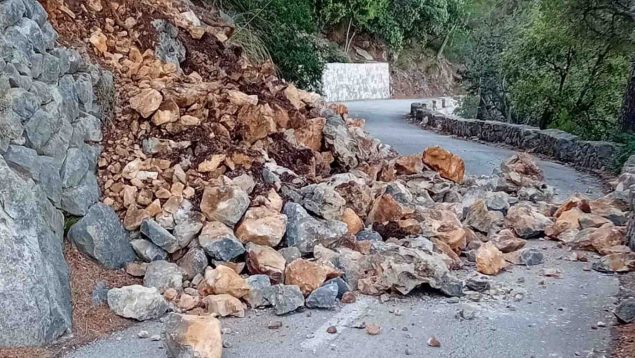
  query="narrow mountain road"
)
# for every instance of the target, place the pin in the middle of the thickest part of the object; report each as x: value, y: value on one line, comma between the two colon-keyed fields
x: 532, y: 316
x: 385, y: 120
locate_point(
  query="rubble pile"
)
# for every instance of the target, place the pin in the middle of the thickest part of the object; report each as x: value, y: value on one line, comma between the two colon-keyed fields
x: 241, y: 191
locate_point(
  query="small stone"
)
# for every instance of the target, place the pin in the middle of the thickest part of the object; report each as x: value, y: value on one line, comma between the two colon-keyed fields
x: 275, y: 325
x: 348, y: 297
x: 284, y: 298
x: 409, y: 352
x: 143, y: 334
x: 373, y: 329
x: 331, y: 330
x: 433, y: 342
x: 478, y: 283
x: 531, y: 257
x: 227, y: 344
x: 601, y: 324
x: 137, y: 302
x: 155, y: 338
x: 323, y: 297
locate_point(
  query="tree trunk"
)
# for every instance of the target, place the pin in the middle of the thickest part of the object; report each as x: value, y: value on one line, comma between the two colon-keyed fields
x: 627, y: 117
x: 445, y: 41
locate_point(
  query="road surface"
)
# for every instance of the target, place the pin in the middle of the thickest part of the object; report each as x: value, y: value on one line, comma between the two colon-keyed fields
x: 538, y: 317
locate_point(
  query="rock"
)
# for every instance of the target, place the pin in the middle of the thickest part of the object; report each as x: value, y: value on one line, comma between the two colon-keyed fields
x: 101, y: 236
x: 262, y: 226
x: 401, y: 269
x: 480, y: 219
x: 478, y: 283
x: 226, y: 204
x: 368, y: 235
x: 531, y: 257
x: 323, y: 297
x: 387, y: 208
x: 219, y: 242
x: 433, y: 342
x: 148, y: 251
x: 146, y: 102
x: 323, y: 200
x: 349, y: 297
x: 506, y: 241
x: 159, y: 236
x: 338, y: 138
x: 497, y: 201
x: 619, y: 262
x: 307, y: 275
x: 284, y: 298
x: 342, y: 286
x: 447, y: 164
x: 193, y: 262
x: 136, y: 269
x: 592, y: 221
x: 186, y: 229
x: 606, y: 209
x: 304, y: 231
x: 331, y: 330
x: 526, y: 222
x: 192, y: 336
x: 352, y: 221
x: 163, y: 275
x: 373, y: 329
x: 600, y: 240
x: 275, y: 325
x: 290, y: 253
x: 222, y: 280
x: 265, y: 260
x: 625, y: 311
x: 489, y: 260
x: 224, y: 305
x: 187, y: 302
x: 257, y: 285
x: 137, y: 302
x: 467, y: 312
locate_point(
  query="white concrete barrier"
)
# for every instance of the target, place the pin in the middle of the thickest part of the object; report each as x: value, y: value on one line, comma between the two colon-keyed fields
x: 356, y: 81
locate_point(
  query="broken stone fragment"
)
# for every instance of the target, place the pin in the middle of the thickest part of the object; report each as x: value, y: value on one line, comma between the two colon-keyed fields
x: 600, y: 239
x: 224, y: 305
x: 137, y: 302
x: 620, y: 262
x: 489, y: 259
x: 221, y: 280
x: 159, y: 236
x: 526, y: 222
x: 342, y: 286
x: 219, y: 242
x: 257, y: 285
x: 507, y: 241
x: 478, y: 283
x: 481, y: 219
x: 352, y: 221
x: 308, y: 275
x: 193, y: 262
x: 148, y: 251
x: 265, y: 260
x: 625, y: 311
x: 323, y: 297
x: 262, y: 226
x: 226, y: 204
x: 448, y: 165
x: 163, y: 275
x: 304, y: 231
x: 284, y: 298
x: 323, y: 200
x: 189, y: 336
x: 146, y: 102
x: 290, y: 253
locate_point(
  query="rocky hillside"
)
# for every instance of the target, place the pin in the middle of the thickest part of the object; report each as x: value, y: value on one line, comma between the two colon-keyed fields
x: 224, y: 187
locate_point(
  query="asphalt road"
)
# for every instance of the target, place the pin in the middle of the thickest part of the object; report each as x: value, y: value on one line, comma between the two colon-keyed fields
x: 538, y: 317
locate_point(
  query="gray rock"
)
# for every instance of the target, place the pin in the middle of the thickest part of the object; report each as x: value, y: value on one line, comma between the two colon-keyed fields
x: 100, y: 293
x: 31, y: 30
x: 49, y: 178
x: 23, y: 103
x: 137, y: 302
x: 322, y: 200
x: 168, y: 48
x: 36, y: 298
x: 467, y: 312
x: 222, y: 245
x: 77, y: 200
x: 290, y: 253
x: 531, y: 257
x: 625, y: 311
x: 163, y: 275
x: 323, y: 297
x: 11, y: 11
x: 478, y: 283
x: 284, y: 298
x: 193, y: 262
x: 51, y: 71
x: 305, y: 231
x: 341, y: 142
x: 148, y: 251
x: 23, y: 160
x: 342, y: 286
x: 101, y: 236
x: 186, y: 230
x: 159, y: 236
x: 258, y: 284
x: 368, y: 235
x: 74, y: 168
x: 497, y: 201
x: 35, y: 11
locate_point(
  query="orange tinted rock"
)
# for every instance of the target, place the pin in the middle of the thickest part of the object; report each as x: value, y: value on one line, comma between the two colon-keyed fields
x: 506, y: 241
x: 407, y: 165
x: 600, y: 239
x: 221, y: 280
x: 385, y: 209
x: 352, y: 221
x: 168, y: 112
x: 267, y: 261
x: 262, y: 226
x: 489, y: 259
x: 308, y: 275
x: 310, y: 133
x: 256, y: 122
x: 448, y: 165
x: 192, y: 335
x: 224, y: 305
x: 146, y: 102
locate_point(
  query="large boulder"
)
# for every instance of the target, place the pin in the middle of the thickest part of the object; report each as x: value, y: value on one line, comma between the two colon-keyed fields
x: 262, y: 226
x: 164, y: 275
x: 34, y: 281
x: 101, y: 236
x: 448, y: 165
x: 323, y: 200
x: 219, y: 242
x: 192, y: 336
x: 265, y: 260
x: 137, y: 302
x: 226, y: 204
x: 305, y: 231
x: 308, y: 275
x: 526, y: 221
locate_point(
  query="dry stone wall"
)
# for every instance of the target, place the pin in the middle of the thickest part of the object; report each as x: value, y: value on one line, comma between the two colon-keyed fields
x: 562, y: 146
x: 50, y: 129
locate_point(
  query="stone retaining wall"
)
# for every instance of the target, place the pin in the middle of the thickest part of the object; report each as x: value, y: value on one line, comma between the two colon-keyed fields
x: 356, y: 81
x: 50, y: 129
x: 562, y: 146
